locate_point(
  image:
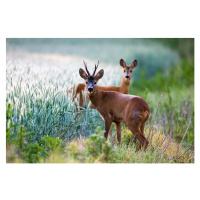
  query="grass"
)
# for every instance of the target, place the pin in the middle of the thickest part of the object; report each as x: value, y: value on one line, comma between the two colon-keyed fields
x: 163, y: 149
x: 42, y: 124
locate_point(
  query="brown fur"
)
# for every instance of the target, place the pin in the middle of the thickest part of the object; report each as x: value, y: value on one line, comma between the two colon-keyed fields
x: 119, y: 108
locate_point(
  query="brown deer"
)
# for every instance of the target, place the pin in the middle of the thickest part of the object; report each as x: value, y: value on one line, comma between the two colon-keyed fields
x: 116, y: 107
x: 123, y: 88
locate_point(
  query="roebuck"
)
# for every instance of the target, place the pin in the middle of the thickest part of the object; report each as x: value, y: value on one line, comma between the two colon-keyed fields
x: 116, y: 107
x: 123, y: 88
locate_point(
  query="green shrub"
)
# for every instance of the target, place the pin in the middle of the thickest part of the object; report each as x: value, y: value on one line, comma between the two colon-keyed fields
x: 98, y: 149
x: 33, y: 153
x: 180, y: 76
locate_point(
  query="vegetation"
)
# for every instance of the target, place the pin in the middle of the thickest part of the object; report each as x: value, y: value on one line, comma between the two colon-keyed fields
x: 173, y: 94
x: 42, y: 124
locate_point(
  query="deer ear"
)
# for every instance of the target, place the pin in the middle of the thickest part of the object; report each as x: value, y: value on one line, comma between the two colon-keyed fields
x: 99, y: 75
x: 134, y: 64
x: 122, y: 63
x: 83, y: 74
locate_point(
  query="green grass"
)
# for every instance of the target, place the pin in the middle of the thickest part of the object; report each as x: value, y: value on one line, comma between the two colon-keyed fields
x: 95, y: 149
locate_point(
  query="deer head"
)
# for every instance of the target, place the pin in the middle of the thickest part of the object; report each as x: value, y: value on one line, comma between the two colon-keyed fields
x: 128, y: 69
x: 91, y: 80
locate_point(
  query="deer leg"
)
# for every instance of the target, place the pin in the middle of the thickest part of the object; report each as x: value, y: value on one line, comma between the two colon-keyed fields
x: 142, y: 128
x: 134, y: 137
x: 145, y: 118
x: 138, y: 134
x: 143, y: 124
x: 108, y: 123
x: 118, y: 128
x: 79, y: 97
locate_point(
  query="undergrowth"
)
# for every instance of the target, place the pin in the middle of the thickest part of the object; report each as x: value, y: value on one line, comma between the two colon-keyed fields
x: 95, y: 149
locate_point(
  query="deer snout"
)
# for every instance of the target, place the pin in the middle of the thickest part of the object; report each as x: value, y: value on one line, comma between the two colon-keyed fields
x: 127, y: 77
x: 90, y: 89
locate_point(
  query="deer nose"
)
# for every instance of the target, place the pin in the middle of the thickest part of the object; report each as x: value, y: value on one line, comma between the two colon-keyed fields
x: 127, y: 77
x: 90, y: 90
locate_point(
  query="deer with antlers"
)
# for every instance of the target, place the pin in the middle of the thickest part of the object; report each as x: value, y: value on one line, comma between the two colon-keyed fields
x: 123, y: 88
x: 118, y: 108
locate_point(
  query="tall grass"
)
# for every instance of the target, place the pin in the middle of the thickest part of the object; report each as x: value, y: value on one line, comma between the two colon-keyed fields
x: 44, y: 108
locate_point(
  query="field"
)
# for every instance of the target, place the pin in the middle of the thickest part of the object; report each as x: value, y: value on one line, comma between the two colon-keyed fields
x: 42, y: 124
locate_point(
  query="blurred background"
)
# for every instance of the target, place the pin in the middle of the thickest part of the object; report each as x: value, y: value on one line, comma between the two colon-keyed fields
x: 152, y: 54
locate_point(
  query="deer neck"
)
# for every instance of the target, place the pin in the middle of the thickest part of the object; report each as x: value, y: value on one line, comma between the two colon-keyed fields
x: 96, y: 96
x: 124, y: 87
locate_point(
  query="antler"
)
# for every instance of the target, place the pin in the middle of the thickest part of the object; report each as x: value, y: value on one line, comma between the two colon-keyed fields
x: 86, y: 68
x: 96, y: 66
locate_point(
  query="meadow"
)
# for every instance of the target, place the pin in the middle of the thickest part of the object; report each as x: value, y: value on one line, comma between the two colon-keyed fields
x: 43, y: 125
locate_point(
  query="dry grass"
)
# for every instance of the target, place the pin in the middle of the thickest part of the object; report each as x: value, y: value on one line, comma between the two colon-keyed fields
x: 162, y: 149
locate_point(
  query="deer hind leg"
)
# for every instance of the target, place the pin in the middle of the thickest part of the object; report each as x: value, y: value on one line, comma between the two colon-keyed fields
x: 134, y: 137
x: 142, y: 128
x: 135, y: 129
x: 143, y: 123
x: 146, y: 117
x: 78, y: 98
x: 118, y: 128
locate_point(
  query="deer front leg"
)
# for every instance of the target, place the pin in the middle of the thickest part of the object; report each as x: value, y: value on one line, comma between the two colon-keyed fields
x: 108, y: 122
x: 118, y: 128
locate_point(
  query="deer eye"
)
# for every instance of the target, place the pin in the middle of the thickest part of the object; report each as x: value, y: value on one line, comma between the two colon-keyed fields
x: 95, y: 82
x: 131, y: 71
x: 124, y: 70
x: 86, y: 82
